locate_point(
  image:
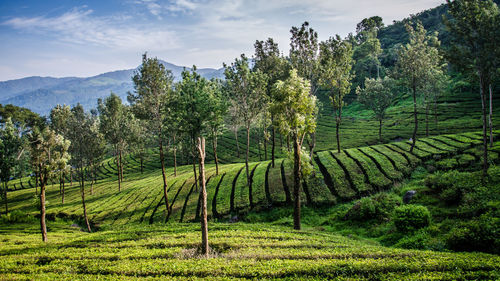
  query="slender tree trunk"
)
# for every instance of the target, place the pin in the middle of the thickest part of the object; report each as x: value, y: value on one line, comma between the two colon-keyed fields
x: 482, y: 89
x: 121, y: 167
x: 70, y: 176
x: 247, y: 151
x: 337, y: 133
x: 214, y: 146
x: 60, y: 183
x: 164, y: 176
x: 175, y: 157
x: 380, y: 130
x: 296, y: 182
x: 36, y: 183
x: 82, y: 191
x: 43, y: 226
x: 414, y: 136
x: 118, y: 171
x: 435, y: 114
x: 491, y: 115
x: 237, y: 144
x: 203, y: 193
x: 265, y: 145
x: 91, y: 180
x: 288, y: 143
x: 273, y: 140
x: 312, y: 144
x: 258, y: 148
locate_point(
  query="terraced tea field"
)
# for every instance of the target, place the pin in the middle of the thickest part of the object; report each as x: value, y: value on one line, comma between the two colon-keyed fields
x: 339, y: 177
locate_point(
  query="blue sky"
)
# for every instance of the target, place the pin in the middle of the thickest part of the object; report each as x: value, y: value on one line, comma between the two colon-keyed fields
x: 83, y: 38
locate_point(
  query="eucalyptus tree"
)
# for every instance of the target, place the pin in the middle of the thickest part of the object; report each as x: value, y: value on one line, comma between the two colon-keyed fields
x: 415, y: 65
x: 59, y: 122
x: 197, y: 105
x: 378, y: 95
x: 295, y: 111
x: 153, y: 89
x: 247, y: 91
x: 10, y: 151
x: 474, y: 27
x: 115, y: 125
x: 49, y: 155
x: 304, y: 51
x: 367, y: 50
x: 82, y: 134
x: 335, y: 64
x: 269, y: 60
x: 219, y: 105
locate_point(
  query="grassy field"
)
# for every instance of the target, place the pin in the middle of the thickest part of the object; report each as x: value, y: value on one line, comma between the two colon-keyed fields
x: 240, y: 251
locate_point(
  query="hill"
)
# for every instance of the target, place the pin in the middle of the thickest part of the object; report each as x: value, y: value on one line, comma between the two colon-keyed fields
x: 40, y: 94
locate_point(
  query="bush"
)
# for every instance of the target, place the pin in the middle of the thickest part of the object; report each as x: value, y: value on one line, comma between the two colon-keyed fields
x: 482, y: 234
x: 378, y: 207
x: 16, y: 217
x: 453, y: 185
x: 419, y: 241
x: 411, y: 217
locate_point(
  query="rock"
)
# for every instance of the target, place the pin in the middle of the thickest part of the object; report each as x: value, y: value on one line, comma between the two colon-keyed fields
x: 234, y: 219
x: 408, y: 196
x: 75, y: 225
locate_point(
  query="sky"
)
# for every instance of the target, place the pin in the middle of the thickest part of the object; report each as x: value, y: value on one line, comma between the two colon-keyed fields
x: 61, y: 38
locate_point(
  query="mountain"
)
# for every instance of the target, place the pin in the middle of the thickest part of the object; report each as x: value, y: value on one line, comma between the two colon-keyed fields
x: 40, y: 94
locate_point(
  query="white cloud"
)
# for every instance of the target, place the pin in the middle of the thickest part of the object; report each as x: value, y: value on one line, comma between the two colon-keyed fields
x: 78, y: 26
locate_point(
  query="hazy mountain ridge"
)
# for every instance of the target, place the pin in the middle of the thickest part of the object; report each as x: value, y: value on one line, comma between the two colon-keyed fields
x: 40, y: 94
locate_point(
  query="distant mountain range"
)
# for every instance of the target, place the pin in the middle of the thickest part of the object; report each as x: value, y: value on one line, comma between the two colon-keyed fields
x: 40, y: 94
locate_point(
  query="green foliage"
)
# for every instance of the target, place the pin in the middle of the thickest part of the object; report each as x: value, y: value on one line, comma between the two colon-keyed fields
x: 16, y: 217
x: 379, y: 207
x: 481, y: 234
x: 411, y: 217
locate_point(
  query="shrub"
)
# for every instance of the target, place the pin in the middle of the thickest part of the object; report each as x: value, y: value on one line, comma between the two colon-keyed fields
x: 453, y: 185
x: 378, y: 207
x: 411, y: 217
x: 482, y: 234
x: 418, y: 240
x: 16, y: 217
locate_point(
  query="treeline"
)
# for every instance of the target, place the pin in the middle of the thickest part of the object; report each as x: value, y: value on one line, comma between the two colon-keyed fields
x: 275, y: 94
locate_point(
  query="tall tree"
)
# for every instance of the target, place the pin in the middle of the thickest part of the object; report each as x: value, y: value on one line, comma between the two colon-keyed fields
x: 335, y: 64
x: 153, y: 89
x: 49, y: 154
x: 248, y: 94
x: 416, y: 62
x: 295, y: 110
x: 81, y: 136
x: 115, y: 125
x: 10, y: 150
x: 59, y: 122
x: 269, y: 60
x: 378, y: 95
x: 197, y: 103
x: 219, y: 109
x: 474, y: 32
x: 304, y: 49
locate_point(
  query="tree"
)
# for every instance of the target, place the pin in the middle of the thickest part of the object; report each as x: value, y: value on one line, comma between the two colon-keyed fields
x: 304, y: 58
x: 295, y: 110
x: 474, y: 26
x: 59, y: 122
x: 153, y: 89
x: 10, y: 151
x: 417, y: 60
x: 269, y: 60
x: 49, y: 155
x: 248, y: 95
x: 115, y: 125
x: 378, y: 95
x: 197, y: 97
x: 81, y: 135
x: 335, y: 63
x: 219, y: 108
x: 367, y: 50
